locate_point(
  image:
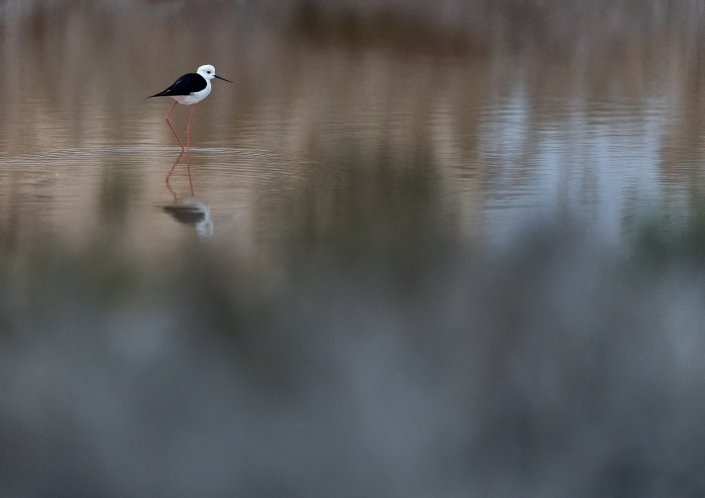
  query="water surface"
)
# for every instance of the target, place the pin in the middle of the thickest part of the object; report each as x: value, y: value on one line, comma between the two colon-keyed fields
x: 507, y: 137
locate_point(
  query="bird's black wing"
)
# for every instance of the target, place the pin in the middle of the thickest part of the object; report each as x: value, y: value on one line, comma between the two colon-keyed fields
x: 186, y: 85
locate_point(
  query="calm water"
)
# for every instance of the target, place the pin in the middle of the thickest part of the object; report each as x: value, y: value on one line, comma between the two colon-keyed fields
x: 426, y: 249
x: 506, y: 136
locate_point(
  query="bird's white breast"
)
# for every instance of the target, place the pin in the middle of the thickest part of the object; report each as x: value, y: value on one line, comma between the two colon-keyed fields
x: 195, y: 97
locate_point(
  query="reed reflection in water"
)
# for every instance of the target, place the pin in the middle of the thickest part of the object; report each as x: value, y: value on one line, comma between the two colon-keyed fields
x: 451, y: 250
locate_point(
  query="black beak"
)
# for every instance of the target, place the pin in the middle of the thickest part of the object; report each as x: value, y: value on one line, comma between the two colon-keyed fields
x: 222, y: 78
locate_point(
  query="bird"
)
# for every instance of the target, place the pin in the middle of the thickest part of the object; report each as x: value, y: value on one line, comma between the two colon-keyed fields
x: 189, y: 89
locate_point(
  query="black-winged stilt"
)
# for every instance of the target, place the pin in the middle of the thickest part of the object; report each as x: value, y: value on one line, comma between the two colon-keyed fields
x: 189, y: 89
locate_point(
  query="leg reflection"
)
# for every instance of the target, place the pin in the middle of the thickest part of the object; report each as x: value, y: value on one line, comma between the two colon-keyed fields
x: 189, y: 211
x: 171, y: 172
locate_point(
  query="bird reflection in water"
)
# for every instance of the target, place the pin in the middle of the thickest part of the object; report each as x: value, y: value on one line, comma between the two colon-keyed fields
x: 189, y: 210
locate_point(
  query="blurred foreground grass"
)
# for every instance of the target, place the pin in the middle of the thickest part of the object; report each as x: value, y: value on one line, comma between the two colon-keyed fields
x: 415, y: 365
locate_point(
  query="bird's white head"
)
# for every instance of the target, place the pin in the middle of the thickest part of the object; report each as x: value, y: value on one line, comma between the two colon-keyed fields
x: 207, y: 71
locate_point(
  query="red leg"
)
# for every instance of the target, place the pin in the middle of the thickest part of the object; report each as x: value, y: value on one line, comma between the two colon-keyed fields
x: 172, y: 128
x: 188, y: 131
x: 188, y: 149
